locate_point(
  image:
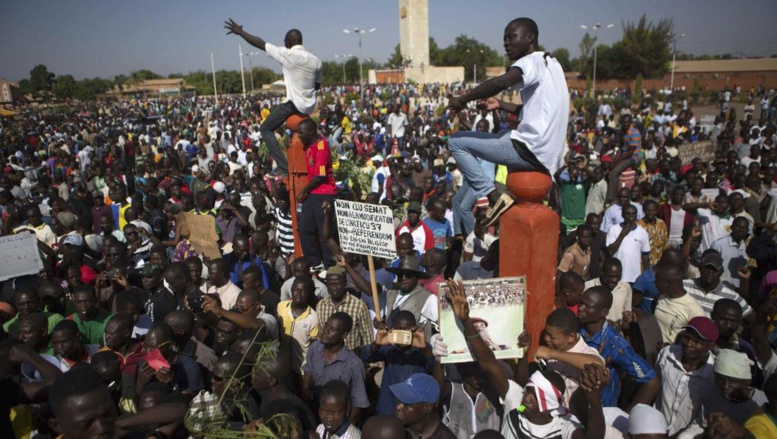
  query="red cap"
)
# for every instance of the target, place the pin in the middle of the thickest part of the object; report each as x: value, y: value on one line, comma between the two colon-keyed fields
x: 706, y: 328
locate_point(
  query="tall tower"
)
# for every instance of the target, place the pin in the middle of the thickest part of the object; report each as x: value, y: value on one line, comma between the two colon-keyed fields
x: 414, y: 31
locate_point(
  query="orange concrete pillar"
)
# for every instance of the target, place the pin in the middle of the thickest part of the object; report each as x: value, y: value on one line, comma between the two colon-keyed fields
x: 298, y: 175
x: 528, y: 246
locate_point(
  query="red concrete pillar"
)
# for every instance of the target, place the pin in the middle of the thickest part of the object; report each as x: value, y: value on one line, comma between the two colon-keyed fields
x: 528, y: 246
x: 298, y: 175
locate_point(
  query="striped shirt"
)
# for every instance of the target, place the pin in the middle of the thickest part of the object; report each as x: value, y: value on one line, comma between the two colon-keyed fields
x: 633, y: 139
x: 285, y: 233
x: 707, y: 299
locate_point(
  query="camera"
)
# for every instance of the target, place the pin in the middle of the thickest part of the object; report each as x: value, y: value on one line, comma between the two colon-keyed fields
x: 195, y: 301
x: 400, y: 337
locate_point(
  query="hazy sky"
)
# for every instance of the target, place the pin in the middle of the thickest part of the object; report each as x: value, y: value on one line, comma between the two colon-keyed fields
x: 108, y: 37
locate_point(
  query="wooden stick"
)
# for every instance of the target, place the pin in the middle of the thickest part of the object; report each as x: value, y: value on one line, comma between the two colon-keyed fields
x: 374, y: 285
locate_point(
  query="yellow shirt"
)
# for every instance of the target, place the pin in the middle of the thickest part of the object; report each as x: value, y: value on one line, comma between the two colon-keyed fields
x: 303, y: 330
x: 762, y: 425
x: 346, y: 124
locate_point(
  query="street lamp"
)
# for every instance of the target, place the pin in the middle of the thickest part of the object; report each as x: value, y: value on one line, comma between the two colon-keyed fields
x: 674, y: 56
x: 596, y: 40
x: 250, y: 69
x: 344, y: 57
x: 359, y: 32
x: 475, y: 69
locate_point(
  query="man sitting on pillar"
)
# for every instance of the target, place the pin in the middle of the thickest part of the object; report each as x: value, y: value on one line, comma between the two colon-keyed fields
x: 537, y: 143
x: 302, y: 75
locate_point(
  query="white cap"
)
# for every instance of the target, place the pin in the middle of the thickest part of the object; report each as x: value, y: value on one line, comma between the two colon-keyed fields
x: 219, y: 187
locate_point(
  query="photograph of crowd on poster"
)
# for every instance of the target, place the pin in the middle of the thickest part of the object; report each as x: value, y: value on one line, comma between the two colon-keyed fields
x: 497, y: 308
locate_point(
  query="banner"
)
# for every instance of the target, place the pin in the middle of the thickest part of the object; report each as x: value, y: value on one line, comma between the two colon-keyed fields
x: 704, y: 150
x: 201, y: 232
x: 19, y: 256
x: 366, y: 229
x: 496, y: 307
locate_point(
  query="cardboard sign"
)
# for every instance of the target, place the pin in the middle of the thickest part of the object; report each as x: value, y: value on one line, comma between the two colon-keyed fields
x: 366, y: 229
x: 19, y: 256
x: 201, y: 232
x: 704, y: 150
x: 497, y: 308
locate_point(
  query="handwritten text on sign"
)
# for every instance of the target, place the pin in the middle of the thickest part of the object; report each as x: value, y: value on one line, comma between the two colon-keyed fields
x: 366, y: 229
x: 19, y: 256
x: 705, y: 150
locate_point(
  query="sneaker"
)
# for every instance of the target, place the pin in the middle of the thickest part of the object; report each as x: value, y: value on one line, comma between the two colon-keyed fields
x: 501, y: 206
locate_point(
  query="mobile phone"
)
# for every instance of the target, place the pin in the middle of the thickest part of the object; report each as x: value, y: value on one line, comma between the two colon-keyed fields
x: 400, y: 337
x: 195, y: 301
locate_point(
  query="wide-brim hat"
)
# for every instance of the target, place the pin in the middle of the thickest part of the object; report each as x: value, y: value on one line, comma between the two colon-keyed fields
x: 409, y: 266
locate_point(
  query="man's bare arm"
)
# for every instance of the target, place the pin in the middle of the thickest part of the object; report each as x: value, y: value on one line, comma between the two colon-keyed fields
x: 237, y: 29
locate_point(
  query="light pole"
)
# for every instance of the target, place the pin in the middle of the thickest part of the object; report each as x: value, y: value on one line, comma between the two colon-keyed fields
x: 674, y: 57
x: 359, y: 32
x: 475, y: 68
x: 344, y: 57
x: 596, y: 40
x: 250, y: 67
x: 242, y: 72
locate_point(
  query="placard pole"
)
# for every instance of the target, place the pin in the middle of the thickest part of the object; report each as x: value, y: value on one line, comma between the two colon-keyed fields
x: 374, y: 286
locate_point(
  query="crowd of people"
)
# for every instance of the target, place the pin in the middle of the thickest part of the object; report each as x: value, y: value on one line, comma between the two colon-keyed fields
x: 664, y: 322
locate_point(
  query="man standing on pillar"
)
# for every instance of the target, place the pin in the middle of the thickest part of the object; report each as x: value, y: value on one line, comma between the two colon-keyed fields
x: 537, y: 143
x: 320, y: 188
x: 302, y: 75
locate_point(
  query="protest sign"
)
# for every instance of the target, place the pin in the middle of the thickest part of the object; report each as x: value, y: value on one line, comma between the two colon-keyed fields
x: 496, y: 308
x: 705, y: 150
x: 366, y: 229
x: 200, y: 230
x: 19, y: 256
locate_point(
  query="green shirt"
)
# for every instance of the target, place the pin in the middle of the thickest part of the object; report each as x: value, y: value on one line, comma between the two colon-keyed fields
x: 573, y: 200
x: 92, y: 330
x: 12, y: 326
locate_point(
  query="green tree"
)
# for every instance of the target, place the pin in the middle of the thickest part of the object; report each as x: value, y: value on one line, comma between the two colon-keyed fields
x: 469, y: 52
x: 90, y: 89
x: 562, y: 55
x: 41, y: 80
x: 646, y: 48
x: 64, y: 86
x: 139, y: 76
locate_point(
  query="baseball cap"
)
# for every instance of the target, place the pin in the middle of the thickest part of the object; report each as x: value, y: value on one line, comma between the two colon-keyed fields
x: 419, y: 388
x: 706, y: 328
x: 73, y: 240
x: 712, y: 258
x: 414, y: 206
x: 219, y: 187
x: 377, y: 158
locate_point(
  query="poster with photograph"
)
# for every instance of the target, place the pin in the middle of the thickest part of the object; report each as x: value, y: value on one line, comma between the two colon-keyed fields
x: 497, y: 308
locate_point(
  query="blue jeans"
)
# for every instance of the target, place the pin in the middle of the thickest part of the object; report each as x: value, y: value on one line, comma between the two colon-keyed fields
x: 464, y: 201
x: 468, y: 146
x: 275, y: 120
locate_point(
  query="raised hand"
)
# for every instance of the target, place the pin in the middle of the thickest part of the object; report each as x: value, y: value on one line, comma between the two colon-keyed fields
x: 419, y: 338
x: 524, y: 340
x: 455, y: 103
x: 233, y: 27
x: 458, y: 299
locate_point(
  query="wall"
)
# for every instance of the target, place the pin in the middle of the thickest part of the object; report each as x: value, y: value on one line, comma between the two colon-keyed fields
x: 435, y: 74
x: 707, y: 81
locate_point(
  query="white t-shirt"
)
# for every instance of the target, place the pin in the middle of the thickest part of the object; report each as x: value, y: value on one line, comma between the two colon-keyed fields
x: 301, y: 73
x: 571, y: 374
x: 397, y: 123
x: 478, y: 247
x: 630, y: 252
x: 563, y: 426
x: 545, y: 111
